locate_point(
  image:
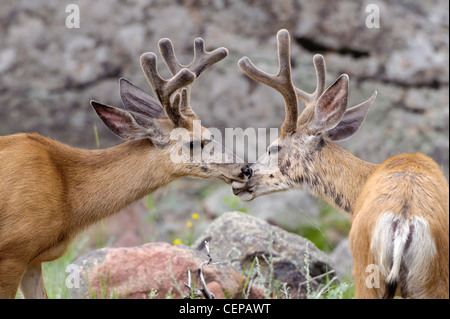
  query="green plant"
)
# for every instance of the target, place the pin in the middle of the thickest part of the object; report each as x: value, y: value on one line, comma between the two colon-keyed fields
x: 188, y: 237
x: 249, y: 278
x: 272, y: 287
x: 54, y: 272
x: 107, y: 289
x: 153, y: 293
x: 97, y: 140
x: 235, y: 204
x: 330, y: 224
x: 331, y: 289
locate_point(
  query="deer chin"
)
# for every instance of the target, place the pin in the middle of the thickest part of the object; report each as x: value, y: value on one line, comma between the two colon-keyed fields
x: 246, y: 196
x: 243, y: 193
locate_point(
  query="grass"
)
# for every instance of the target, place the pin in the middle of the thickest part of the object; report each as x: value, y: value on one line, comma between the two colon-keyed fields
x: 325, y: 232
x: 107, y: 289
x: 235, y: 204
x: 330, y: 288
x: 54, y: 272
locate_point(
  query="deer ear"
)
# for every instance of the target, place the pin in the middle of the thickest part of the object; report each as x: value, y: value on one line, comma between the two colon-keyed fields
x: 352, y: 120
x: 330, y: 107
x: 131, y: 126
x: 119, y: 121
x: 136, y: 100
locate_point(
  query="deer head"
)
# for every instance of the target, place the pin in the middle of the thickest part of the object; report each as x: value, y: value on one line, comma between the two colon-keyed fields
x: 171, y: 124
x: 293, y: 159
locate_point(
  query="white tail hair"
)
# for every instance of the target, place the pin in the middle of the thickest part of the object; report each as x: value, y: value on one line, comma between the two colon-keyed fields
x: 403, y: 240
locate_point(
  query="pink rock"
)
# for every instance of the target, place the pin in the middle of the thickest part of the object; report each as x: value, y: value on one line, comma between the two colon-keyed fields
x: 133, y: 272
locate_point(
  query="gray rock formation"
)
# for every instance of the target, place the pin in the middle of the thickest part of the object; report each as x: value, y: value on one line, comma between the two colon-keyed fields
x: 50, y: 72
x: 282, y: 256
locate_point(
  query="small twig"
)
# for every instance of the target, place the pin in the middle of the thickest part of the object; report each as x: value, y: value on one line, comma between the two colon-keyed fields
x: 317, y: 277
x: 326, y: 286
x: 204, y: 292
x: 192, y: 292
x: 175, y: 283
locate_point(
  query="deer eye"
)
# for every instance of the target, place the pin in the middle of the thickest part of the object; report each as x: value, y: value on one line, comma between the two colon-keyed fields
x: 274, y: 149
x: 206, y: 142
x: 194, y: 144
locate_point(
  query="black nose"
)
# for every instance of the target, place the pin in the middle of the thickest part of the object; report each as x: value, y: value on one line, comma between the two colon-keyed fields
x: 247, y: 171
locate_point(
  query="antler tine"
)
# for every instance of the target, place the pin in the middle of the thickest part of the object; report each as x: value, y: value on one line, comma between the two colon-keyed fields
x: 282, y: 81
x: 310, y: 99
x: 202, y: 58
x: 165, y: 88
x: 168, y: 54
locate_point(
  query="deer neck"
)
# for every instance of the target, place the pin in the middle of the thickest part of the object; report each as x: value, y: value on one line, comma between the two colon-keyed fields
x: 102, y: 182
x: 337, y: 176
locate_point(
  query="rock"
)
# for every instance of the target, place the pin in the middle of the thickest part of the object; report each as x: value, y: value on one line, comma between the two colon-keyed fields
x: 235, y: 240
x: 239, y: 238
x: 341, y: 258
x: 50, y: 74
x: 135, y: 272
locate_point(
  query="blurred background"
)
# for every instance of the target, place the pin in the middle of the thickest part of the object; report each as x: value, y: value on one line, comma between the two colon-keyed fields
x: 49, y: 73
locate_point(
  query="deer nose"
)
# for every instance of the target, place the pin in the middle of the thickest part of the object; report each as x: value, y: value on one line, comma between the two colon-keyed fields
x: 247, y: 171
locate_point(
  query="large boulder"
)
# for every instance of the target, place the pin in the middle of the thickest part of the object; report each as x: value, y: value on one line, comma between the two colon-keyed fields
x: 157, y: 270
x: 283, y: 257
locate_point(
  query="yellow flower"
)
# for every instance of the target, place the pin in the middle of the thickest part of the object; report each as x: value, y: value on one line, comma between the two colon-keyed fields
x: 177, y: 241
x: 189, y: 224
x: 195, y: 216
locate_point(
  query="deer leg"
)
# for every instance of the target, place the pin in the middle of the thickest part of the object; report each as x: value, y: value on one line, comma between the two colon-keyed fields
x: 363, y: 292
x: 369, y: 284
x: 10, y: 274
x: 32, y: 284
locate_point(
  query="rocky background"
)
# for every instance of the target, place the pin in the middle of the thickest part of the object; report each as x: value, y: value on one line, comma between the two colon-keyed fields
x: 49, y: 73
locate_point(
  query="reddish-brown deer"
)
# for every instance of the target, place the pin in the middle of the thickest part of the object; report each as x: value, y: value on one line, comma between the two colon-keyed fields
x: 399, y: 209
x: 50, y: 192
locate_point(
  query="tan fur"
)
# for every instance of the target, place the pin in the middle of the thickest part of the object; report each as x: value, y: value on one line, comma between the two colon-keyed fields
x: 410, y: 186
x: 50, y: 191
x: 56, y: 191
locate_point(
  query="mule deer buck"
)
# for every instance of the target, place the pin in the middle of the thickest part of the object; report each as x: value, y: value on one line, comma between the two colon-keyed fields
x: 399, y: 209
x: 50, y: 192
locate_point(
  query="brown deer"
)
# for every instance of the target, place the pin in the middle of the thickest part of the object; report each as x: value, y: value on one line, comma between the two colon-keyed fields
x: 50, y: 192
x: 399, y: 209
